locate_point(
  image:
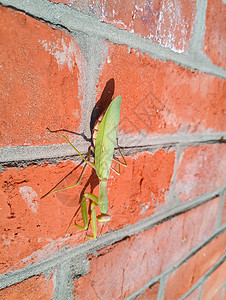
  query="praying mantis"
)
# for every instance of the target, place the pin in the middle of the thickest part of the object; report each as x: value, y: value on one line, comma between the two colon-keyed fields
x: 104, y: 139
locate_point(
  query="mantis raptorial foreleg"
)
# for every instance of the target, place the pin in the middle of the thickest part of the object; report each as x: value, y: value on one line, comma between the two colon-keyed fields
x: 84, y: 211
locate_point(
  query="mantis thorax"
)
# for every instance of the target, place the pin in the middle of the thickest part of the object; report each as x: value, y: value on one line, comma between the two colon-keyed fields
x: 103, y: 198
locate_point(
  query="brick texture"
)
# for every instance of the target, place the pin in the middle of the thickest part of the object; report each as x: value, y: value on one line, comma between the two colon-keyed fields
x: 45, y: 78
x: 215, y: 280
x: 194, y: 268
x: 39, y: 80
x: 201, y: 169
x: 32, y: 224
x: 158, y: 97
x: 139, y: 258
x: 194, y: 295
x: 223, y: 216
x: 168, y: 23
x: 37, y: 287
x: 215, y: 35
x: 151, y: 293
x: 219, y: 295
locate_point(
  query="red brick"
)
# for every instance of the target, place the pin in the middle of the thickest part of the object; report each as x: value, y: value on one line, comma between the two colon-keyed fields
x: 168, y: 23
x: 215, y: 35
x: 151, y: 293
x: 140, y: 189
x: 194, y: 268
x: 79, y: 4
x: 223, y: 216
x: 37, y: 287
x: 33, y: 227
x: 214, y: 282
x: 219, y: 295
x: 139, y: 258
x: 158, y: 97
x: 39, y: 80
x: 194, y: 295
x: 201, y: 169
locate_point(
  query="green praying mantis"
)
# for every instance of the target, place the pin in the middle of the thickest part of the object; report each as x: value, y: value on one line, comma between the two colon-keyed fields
x: 104, y: 139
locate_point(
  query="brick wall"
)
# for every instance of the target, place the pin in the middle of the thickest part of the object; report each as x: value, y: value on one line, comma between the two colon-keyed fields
x: 60, y: 61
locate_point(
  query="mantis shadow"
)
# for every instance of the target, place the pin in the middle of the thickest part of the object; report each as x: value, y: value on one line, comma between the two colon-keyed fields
x: 103, y: 103
x: 93, y: 181
x: 100, y: 107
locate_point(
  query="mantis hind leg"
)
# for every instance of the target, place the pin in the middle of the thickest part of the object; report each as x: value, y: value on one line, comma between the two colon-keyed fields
x: 84, y: 211
x: 79, y: 179
x: 119, y: 163
x: 94, y: 218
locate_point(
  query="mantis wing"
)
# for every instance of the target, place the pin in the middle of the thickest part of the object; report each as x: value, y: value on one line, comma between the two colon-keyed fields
x: 106, y: 138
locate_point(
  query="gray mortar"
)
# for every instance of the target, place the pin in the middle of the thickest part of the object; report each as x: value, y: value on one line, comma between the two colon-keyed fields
x: 163, y: 277
x: 79, y: 254
x: 76, y: 21
x: 200, y: 290
x: 146, y: 286
x: 171, y: 195
x: 67, y: 272
x: 220, y: 211
x: 22, y: 156
x: 90, y: 34
x: 162, y: 285
x: 91, y: 47
x: 201, y: 282
x: 197, y: 41
x: 223, y: 286
x: 196, y: 44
